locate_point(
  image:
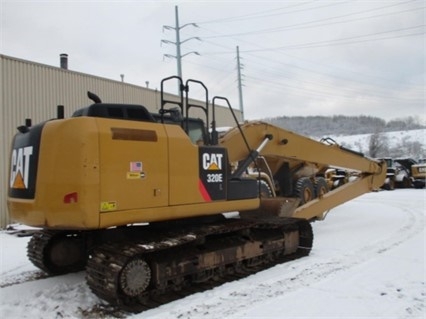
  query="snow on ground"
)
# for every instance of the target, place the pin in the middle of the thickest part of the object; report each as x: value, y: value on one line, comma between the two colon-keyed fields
x: 368, y: 261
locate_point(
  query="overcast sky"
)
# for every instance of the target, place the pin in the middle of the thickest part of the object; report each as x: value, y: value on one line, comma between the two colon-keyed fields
x: 299, y: 57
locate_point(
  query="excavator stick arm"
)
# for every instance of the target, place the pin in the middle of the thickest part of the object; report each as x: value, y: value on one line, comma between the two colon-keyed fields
x: 309, y: 157
x: 319, y: 207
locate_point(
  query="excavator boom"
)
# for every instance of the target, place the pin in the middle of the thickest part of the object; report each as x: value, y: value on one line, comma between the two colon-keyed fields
x: 290, y: 154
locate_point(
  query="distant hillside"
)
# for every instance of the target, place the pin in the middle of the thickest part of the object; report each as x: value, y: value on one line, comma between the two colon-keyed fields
x: 395, y: 144
x: 320, y: 126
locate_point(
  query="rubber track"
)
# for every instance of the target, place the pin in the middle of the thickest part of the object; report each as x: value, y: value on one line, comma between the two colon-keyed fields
x: 106, y: 262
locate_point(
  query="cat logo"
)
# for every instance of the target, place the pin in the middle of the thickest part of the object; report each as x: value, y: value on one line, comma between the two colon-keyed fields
x: 212, y: 161
x: 20, y: 167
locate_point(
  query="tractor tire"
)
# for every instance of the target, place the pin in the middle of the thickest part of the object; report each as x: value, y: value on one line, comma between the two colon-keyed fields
x: 304, y: 190
x: 321, y: 187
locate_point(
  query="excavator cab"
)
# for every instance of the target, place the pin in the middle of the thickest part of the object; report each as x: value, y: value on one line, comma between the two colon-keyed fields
x: 216, y: 180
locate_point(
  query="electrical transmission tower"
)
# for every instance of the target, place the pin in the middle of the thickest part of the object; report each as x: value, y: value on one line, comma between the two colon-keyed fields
x: 178, y: 42
x: 240, y: 83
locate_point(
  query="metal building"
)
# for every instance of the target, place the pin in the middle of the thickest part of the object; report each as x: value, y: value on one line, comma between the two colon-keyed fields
x: 33, y: 90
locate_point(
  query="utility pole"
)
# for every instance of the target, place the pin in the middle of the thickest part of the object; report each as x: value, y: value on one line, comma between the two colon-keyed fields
x: 240, y: 85
x: 178, y: 54
x: 178, y: 43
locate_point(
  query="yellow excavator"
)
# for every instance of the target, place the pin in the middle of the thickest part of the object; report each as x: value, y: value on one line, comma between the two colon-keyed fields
x: 139, y: 199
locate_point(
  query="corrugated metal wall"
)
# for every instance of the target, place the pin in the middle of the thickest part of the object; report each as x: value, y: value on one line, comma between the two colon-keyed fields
x: 33, y: 90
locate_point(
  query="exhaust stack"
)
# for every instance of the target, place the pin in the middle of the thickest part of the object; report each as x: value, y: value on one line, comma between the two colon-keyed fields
x: 64, y: 61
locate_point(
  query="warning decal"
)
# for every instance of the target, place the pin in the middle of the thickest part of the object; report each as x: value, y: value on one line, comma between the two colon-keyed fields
x: 135, y: 175
x: 108, y: 206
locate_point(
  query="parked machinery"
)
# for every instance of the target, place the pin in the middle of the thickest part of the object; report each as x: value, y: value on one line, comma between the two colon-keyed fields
x: 391, y: 173
x: 404, y: 173
x: 413, y: 171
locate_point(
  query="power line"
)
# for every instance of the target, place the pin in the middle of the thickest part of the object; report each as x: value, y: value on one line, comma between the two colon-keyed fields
x: 320, y: 83
x: 341, y: 40
x: 288, y: 66
x: 264, y: 14
x: 333, y: 42
x: 293, y: 65
x: 339, y: 78
x: 316, y: 63
x: 305, y: 69
x: 354, y: 42
x: 311, y: 24
x: 325, y: 87
x: 298, y: 90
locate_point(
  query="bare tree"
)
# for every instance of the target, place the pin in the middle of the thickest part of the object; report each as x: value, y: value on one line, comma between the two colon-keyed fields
x: 378, y: 145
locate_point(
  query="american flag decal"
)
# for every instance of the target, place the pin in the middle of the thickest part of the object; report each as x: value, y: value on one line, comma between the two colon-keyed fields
x: 136, y: 166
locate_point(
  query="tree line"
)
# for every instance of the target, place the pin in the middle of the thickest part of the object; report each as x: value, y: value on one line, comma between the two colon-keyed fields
x: 378, y: 144
x: 318, y: 126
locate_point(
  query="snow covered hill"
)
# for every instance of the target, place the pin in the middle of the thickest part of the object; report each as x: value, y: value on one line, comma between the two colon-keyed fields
x: 398, y: 142
x: 367, y: 262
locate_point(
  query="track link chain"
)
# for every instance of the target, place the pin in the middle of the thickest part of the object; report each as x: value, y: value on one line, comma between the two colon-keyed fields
x: 57, y: 252
x: 105, y: 266
x: 36, y: 247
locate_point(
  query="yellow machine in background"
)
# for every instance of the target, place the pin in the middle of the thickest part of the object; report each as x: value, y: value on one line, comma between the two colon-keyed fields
x: 137, y: 198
